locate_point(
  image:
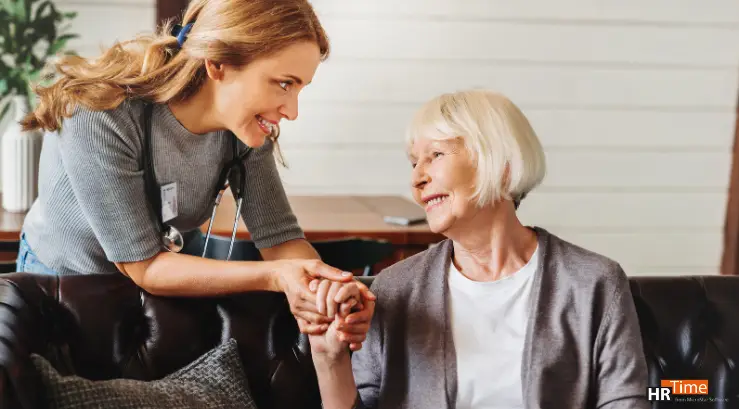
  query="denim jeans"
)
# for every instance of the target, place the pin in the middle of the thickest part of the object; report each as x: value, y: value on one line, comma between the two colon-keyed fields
x: 27, y: 260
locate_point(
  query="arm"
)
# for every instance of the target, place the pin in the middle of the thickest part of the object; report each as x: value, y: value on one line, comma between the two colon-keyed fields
x: 336, y: 381
x: 292, y: 249
x: 331, y: 356
x: 620, y: 362
x: 100, y: 154
x: 349, y: 381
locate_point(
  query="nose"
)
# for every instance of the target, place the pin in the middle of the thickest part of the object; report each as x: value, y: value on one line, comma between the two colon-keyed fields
x: 289, y: 110
x: 419, y: 177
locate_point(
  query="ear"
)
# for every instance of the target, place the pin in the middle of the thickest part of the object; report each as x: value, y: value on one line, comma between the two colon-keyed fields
x: 214, y: 69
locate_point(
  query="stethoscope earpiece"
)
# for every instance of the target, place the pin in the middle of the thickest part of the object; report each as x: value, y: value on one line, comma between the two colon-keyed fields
x: 172, y: 240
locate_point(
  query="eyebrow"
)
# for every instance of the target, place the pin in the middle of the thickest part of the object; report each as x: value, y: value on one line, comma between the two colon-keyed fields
x: 296, y: 79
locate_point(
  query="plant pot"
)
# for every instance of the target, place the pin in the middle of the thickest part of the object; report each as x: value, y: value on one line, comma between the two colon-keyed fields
x: 20, y: 153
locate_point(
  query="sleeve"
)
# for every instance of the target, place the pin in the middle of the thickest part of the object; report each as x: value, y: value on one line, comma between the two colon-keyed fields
x: 621, y: 364
x: 266, y: 210
x: 99, y: 153
x: 368, y: 363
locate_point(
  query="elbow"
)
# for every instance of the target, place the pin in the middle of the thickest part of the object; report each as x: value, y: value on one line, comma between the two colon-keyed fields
x: 141, y: 272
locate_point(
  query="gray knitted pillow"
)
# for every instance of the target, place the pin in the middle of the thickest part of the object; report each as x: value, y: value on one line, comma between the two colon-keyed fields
x: 216, y: 380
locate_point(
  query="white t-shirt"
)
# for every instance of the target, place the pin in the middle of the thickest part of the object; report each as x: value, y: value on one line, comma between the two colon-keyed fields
x: 489, y: 326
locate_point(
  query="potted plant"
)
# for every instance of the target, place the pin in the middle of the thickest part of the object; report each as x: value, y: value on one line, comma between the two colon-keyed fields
x: 32, y: 32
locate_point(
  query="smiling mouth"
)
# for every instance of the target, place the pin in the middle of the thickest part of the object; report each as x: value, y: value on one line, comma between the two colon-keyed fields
x: 435, y: 200
x: 264, y: 124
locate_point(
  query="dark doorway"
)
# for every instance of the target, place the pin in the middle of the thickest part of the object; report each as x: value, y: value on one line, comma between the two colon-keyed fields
x: 730, y: 259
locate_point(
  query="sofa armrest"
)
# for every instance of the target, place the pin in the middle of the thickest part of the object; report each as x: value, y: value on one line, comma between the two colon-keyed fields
x: 21, y: 333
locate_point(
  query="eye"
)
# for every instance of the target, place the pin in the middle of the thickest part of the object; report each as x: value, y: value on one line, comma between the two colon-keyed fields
x: 437, y: 154
x: 285, y: 84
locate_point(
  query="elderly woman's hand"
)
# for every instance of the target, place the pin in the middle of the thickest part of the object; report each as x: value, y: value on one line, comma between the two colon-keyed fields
x: 351, y: 305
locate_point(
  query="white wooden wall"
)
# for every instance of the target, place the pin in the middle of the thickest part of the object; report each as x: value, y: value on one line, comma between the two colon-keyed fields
x: 634, y: 101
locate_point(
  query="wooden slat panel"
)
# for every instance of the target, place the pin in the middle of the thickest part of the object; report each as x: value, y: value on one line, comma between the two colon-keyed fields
x: 652, y: 249
x: 362, y: 124
x: 572, y: 11
x: 507, y: 41
x: 567, y: 169
x: 595, y: 211
x: 540, y: 85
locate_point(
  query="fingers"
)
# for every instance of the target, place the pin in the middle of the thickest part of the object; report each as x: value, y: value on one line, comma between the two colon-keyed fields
x: 331, y: 304
x: 355, y: 347
x: 351, y: 338
x: 311, y: 329
x: 346, y: 308
x: 361, y: 317
x: 313, y: 285
x: 354, y: 329
x: 365, y: 291
x: 313, y: 317
x: 317, y: 268
x: 321, y: 295
x: 346, y: 291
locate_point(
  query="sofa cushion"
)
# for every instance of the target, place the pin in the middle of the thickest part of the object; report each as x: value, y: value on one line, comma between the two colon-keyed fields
x: 215, y: 380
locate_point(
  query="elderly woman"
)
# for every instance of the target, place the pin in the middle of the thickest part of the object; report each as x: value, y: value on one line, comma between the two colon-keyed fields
x: 498, y: 315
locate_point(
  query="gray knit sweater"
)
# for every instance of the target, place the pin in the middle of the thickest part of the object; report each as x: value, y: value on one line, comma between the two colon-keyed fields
x: 92, y: 209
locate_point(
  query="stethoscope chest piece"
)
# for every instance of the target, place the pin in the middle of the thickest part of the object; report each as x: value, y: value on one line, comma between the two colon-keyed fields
x: 172, y: 239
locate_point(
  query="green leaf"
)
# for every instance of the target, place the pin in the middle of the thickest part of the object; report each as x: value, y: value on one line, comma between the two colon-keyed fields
x: 17, y: 9
x: 31, y: 31
x: 60, y: 43
x: 42, y: 9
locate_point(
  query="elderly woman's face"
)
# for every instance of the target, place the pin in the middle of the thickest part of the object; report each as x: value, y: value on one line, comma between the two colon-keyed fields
x: 443, y: 181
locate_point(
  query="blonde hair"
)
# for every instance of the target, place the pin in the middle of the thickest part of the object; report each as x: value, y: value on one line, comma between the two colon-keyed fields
x: 155, y: 67
x: 509, y: 158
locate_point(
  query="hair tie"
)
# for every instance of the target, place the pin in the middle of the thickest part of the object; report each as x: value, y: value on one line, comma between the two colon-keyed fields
x: 181, y: 32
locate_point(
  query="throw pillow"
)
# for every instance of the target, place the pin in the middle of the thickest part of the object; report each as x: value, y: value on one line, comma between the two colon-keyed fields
x: 215, y: 380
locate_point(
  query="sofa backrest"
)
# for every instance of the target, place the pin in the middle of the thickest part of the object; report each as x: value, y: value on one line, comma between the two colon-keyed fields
x: 103, y: 327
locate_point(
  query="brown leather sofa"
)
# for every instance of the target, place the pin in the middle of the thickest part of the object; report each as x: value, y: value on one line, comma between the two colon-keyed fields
x: 103, y: 327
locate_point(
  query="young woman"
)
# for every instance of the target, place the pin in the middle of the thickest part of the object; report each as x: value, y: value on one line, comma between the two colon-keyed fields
x: 137, y: 140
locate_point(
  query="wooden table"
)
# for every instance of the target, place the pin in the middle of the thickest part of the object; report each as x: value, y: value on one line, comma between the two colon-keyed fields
x: 321, y: 217
x: 334, y: 217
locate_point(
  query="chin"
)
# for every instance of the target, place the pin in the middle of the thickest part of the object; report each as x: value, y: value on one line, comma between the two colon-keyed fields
x: 252, y: 139
x: 439, y: 225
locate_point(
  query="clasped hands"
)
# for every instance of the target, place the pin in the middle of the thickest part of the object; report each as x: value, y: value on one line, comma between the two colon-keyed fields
x: 342, y: 318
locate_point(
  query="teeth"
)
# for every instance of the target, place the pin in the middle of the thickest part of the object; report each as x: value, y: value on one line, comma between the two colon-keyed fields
x: 264, y: 123
x: 436, y: 200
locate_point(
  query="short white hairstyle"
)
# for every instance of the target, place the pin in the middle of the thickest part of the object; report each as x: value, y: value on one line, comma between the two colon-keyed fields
x: 509, y: 158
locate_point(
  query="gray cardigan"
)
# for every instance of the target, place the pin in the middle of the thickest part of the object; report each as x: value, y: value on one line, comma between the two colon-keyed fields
x: 583, y: 343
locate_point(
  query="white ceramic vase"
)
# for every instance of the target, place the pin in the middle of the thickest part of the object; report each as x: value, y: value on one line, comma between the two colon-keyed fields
x: 19, y: 161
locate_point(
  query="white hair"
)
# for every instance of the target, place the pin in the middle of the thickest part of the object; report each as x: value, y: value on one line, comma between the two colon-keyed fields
x: 509, y: 158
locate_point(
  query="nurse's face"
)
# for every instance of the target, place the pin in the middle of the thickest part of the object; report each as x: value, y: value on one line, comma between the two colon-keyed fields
x: 251, y: 100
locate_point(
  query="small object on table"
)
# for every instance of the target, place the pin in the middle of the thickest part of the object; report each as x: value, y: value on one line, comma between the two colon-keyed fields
x: 404, y: 220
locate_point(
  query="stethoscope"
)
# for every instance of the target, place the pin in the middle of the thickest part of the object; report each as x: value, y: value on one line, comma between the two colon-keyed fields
x: 172, y: 239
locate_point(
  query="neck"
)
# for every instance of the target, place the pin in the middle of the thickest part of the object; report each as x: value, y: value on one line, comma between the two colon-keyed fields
x: 500, y: 248
x: 196, y: 113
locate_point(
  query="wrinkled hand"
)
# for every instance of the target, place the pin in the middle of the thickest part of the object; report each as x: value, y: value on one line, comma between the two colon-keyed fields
x: 351, y: 305
x: 293, y: 278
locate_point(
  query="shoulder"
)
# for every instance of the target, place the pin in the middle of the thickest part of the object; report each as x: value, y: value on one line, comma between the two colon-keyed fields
x: 584, y: 267
x: 409, y: 274
x: 127, y: 113
x: 122, y: 125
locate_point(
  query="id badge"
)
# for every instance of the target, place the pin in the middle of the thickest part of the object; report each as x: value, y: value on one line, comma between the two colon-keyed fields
x: 169, y: 201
